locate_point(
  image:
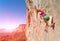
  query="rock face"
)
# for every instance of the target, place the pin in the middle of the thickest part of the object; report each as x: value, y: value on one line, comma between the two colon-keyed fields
x: 36, y: 28
x: 35, y: 24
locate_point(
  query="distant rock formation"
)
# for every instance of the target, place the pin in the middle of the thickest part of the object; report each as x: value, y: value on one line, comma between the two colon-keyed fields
x: 17, y: 35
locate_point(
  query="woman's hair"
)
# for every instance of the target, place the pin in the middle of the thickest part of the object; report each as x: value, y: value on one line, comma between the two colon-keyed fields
x: 40, y: 11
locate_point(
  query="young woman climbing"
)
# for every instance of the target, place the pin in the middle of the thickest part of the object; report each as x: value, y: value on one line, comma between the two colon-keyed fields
x: 48, y: 19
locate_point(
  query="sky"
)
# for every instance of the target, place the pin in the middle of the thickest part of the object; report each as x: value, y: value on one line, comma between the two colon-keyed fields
x: 12, y: 13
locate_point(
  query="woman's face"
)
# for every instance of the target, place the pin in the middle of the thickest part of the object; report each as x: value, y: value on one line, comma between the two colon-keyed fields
x: 39, y: 12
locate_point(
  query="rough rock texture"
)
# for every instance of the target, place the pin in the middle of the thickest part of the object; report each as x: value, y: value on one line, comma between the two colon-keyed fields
x: 35, y: 24
x: 35, y: 29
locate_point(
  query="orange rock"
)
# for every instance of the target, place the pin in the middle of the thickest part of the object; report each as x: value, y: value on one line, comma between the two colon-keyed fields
x: 17, y: 35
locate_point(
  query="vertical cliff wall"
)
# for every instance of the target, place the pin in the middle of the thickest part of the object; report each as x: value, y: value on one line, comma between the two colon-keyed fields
x: 36, y: 28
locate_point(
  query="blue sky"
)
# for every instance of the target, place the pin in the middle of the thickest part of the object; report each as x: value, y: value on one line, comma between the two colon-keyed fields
x: 12, y: 12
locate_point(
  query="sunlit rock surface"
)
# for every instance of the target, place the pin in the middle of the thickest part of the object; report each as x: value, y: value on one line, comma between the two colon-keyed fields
x: 17, y: 35
x: 35, y: 23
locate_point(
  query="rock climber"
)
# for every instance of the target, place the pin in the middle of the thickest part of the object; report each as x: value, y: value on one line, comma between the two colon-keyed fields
x: 46, y: 18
